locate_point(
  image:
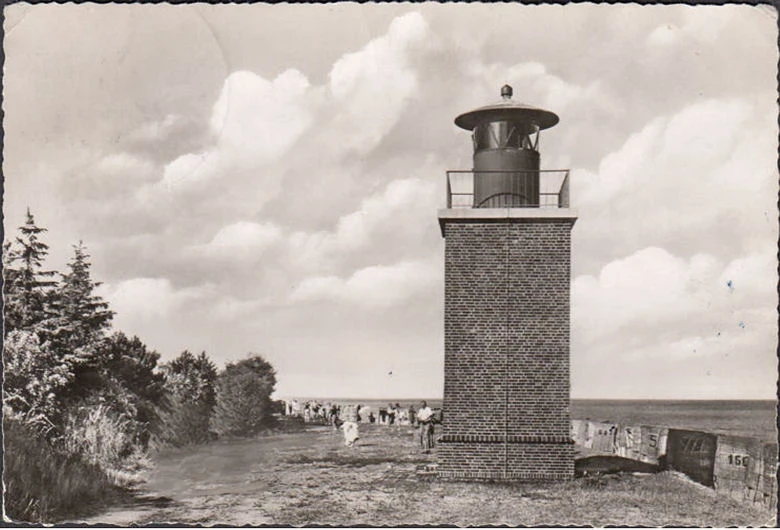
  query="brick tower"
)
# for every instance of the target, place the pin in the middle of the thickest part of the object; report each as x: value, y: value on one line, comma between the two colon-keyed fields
x: 507, y: 230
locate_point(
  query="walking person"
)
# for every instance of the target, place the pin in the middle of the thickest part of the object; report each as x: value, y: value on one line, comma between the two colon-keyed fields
x: 350, y: 426
x: 425, y: 419
x: 351, y: 433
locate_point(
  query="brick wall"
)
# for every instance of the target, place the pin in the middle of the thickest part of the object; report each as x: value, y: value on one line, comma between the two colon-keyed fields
x: 506, y: 364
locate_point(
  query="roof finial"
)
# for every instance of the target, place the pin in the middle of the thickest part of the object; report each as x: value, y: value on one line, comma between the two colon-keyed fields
x: 506, y: 92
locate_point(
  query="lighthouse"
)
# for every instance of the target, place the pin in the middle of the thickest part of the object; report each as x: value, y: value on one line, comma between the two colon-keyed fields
x: 507, y: 269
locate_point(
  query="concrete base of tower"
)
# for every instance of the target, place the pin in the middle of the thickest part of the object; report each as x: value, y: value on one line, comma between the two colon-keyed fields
x: 498, y: 461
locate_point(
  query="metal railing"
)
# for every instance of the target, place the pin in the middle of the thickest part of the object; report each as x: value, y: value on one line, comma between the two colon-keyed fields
x: 547, y: 188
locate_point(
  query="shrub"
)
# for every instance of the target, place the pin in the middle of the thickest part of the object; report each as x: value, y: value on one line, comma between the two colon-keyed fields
x: 33, y: 378
x: 244, y: 397
x: 182, y: 423
x: 43, y: 484
x: 188, y: 402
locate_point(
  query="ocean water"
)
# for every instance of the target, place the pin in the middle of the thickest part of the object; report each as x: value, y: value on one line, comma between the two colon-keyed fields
x: 756, y: 419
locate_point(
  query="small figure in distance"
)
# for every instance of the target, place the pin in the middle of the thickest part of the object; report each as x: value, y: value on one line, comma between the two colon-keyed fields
x: 334, y: 415
x: 350, y: 426
x: 425, y: 419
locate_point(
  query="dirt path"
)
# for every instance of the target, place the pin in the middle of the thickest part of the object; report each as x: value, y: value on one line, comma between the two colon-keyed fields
x: 215, y: 483
x: 250, y: 481
x: 310, y: 478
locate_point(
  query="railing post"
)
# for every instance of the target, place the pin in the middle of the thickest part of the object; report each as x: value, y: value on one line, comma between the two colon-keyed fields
x: 563, y: 196
x: 449, y: 192
x: 473, y: 188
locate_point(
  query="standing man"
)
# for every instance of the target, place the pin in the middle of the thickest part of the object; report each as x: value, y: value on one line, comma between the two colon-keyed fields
x: 334, y: 415
x: 425, y: 419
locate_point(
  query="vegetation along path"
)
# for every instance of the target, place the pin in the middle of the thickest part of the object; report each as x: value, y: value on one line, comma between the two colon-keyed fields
x: 309, y: 477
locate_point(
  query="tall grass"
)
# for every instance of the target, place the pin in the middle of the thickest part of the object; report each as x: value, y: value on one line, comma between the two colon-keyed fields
x: 107, y: 439
x: 44, y: 484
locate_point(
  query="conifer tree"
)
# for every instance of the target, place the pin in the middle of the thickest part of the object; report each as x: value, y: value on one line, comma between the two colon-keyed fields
x: 13, y: 312
x: 27, y: 285
x: 83, y: 316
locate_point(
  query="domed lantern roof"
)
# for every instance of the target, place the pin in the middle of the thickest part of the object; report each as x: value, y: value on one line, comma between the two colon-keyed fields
x: 507, y: 110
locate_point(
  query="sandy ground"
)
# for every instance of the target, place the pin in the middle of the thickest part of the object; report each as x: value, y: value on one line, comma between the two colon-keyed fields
x: 310, y: 478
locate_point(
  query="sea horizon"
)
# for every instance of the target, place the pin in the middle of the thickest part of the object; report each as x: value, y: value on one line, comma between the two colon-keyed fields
x: 441, y: 398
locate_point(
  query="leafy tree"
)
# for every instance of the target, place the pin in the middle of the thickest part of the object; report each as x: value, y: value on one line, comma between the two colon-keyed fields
x: 133, y: 365
x: 244, y: 397
x: 190, y: 399
x: 26, y: 285
x: 123, y: 373
x: 192, y: 378
x: 33, y: 381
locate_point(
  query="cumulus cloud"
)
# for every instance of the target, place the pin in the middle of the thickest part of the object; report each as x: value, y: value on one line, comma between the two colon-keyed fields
x: 254, y: 120
x: 551, y: 91
x: 229, y: 308
x: 653, y: 307
x: 655, y: 290
x: 155, y: 131
x: 393, y: 207
x: 691, y: 26
x: 109, y: 178
x: 244, y: 239
x: 319, y: 185
x: 148, y: 298
x: 752, y: 277
x: 374, y: 83
x: 648, y: 288
x: 255, y: 123
x: 696, y: 168
x: 258, y: 118
x: 125, y: 166
x: 373, y: 287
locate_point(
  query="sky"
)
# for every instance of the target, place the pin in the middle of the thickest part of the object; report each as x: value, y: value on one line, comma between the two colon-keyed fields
x: 265, y: 179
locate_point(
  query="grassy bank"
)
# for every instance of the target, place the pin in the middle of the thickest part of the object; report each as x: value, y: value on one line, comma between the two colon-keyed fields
x: 310, y: 478
x: 43, y: 484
